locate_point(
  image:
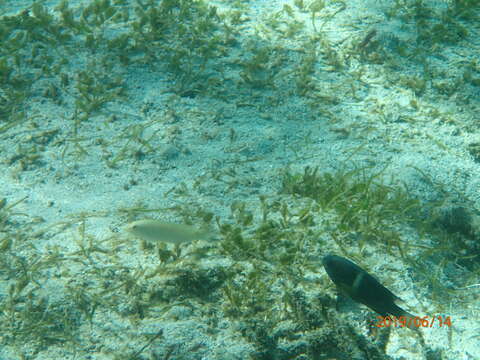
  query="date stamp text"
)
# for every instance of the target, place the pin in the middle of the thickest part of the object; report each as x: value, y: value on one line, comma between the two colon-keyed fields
x: 417, y: 321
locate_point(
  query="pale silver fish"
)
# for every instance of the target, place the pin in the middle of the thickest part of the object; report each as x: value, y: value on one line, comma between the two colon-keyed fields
x: 156, y: 230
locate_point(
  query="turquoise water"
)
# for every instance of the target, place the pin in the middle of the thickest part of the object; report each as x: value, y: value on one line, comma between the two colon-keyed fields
x: 281, y: 132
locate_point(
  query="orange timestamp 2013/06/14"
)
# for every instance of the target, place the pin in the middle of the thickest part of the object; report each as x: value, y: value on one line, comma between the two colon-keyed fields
x: 416, y: 321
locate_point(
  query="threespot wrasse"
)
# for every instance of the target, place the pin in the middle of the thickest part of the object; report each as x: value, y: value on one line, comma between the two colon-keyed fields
x: 362, y: 287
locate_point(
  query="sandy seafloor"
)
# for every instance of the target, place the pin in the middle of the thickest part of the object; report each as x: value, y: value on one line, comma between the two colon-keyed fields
x: 210, y: 150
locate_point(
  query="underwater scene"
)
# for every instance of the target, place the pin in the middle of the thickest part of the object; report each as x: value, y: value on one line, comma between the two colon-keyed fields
x: 240, y: 179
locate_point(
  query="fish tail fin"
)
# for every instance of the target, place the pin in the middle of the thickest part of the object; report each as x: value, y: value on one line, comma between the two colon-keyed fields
x: 403, y: 315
